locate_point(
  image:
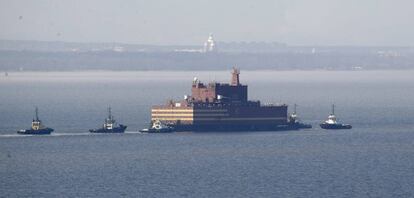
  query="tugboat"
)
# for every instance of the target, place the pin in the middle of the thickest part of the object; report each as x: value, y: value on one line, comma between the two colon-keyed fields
x: 331, y: 123
x: 110, y: 125
x: 294, y: 121
x: 158, y: 127
x: 37, y: 127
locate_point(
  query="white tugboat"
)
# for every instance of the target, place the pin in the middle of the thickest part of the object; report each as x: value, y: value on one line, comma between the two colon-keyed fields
x: 331, y: 123
x: 158, y: 127
x: 294, y: 121
x: 110, y: 125
x: 37, y: 127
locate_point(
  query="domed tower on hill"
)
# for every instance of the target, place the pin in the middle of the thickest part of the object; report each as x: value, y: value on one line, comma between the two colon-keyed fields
x: 210, y: 44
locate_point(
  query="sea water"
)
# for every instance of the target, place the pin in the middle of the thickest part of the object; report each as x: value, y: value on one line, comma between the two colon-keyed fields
x: 374, y: 159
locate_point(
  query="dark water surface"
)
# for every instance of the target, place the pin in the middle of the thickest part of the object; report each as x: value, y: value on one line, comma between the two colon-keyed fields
x: 375, y: 159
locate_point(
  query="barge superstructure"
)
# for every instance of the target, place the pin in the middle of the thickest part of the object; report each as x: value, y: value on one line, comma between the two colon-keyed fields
x: 221, y: 107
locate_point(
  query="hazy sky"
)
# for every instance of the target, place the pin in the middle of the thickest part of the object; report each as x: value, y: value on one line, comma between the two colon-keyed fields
x: 295, y: 22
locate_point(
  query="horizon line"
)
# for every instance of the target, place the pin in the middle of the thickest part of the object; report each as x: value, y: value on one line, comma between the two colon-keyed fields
x: 239, y: 42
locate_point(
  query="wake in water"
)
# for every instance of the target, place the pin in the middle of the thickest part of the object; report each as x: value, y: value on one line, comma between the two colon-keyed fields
x: 51, y: 135
x: 66, y: 134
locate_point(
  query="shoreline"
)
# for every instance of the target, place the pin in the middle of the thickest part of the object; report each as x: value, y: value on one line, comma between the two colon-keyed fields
x: 249, y: 76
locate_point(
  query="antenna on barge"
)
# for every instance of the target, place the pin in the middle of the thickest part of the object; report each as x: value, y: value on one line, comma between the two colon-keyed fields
x: 294, y: 108
x: 235, y: 79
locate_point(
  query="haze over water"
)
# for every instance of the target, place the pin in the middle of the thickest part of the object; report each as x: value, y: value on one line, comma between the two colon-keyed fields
x: 356, y: 38
x: 374, y: 159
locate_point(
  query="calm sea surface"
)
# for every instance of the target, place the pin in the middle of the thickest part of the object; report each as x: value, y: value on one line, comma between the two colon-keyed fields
x: 374, y: 159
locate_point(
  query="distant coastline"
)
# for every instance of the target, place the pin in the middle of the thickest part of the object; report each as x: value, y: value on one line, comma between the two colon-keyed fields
x: 363, y: 76
x: 61, y: 56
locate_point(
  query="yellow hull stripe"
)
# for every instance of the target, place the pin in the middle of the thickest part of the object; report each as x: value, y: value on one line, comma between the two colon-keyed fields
x: 173, y: 115
x: 173, y: 119
x: 218, y: 119
x: 190, y: 110
x: 188, y: 115
x: 172, y: 110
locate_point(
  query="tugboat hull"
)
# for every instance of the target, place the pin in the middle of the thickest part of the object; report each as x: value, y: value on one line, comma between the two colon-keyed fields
x: 336, y: 126
x: 120, y: 129
x: 45, y: 131
x: 152, y: 130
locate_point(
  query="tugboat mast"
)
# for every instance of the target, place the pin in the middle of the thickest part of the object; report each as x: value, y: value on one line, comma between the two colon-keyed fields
x: 37, y: 114
x: 333, y: 109
x: 110, y: 113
